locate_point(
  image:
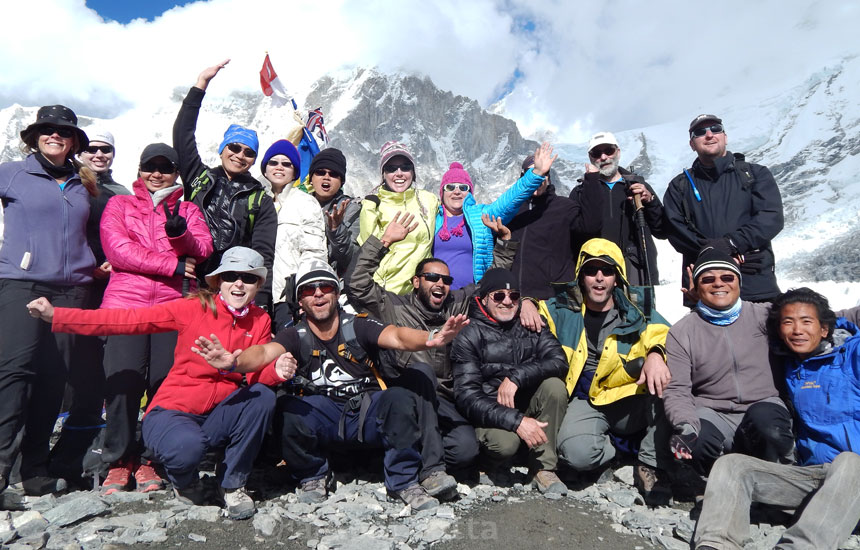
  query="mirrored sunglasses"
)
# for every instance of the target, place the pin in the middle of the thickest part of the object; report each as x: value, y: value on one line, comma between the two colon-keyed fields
x: 714, y: 128
x: 326, y: 287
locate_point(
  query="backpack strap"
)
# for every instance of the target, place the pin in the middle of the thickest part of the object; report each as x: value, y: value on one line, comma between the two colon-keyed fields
x: 200, y: 182
x: 744, y: 171
x: 255, y: 199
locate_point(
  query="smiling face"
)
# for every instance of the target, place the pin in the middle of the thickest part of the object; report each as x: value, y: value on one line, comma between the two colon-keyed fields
x: 453, y: 200
x: 432, y: 294
x: 598, y: 280
x: 399, y: 180
x: 800, y: 328
x: 238, y: 294
x: 319, y: 306
x: 502, y: 311
x: 709, y: 146
x: 718, y: 293
x: 55, y: 148
x: 606, y: 158
x: 326, y: 184
x: 236, y: 163
x: 158, y: 173
x: 98, y: 161
x: 277, y: 173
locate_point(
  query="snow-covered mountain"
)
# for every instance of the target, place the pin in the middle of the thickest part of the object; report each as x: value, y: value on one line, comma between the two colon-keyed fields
x: 809, y: 135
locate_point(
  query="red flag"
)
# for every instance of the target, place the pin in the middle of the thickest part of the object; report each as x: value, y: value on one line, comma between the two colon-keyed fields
x: 271, y: 84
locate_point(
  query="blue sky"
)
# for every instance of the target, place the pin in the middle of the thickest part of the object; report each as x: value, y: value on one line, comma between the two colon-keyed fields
x: 124, y: 11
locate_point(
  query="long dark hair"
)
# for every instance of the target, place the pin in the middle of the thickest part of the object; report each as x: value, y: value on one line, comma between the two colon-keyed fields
x: 802, y: 295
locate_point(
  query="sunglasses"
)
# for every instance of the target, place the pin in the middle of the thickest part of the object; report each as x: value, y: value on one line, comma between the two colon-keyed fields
x: 727, y: 278
x: 457, y: 186
x: 322, y: 172
x: 93, y: 149
x: 162, y: 167
x: 591, y: 270
x: 598, y: 152
x: 284, y: 163
x: 49, y: 130
x: 247, y: 152
x: 433, y: 277
x: 499, y: 295
x: 391, y: 168
x: 327, y: 287
x: 714, y: 128
x: 232, y: 276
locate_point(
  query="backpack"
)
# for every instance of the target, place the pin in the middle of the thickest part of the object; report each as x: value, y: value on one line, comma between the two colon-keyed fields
x: 255, y: 199
x: 78, y: 453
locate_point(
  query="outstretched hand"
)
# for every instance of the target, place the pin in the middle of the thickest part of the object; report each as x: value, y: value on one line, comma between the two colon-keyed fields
x: 449, y: 330
x: 398, y: 228
x: 335, y: 217
x: 209, y: 73
x: 691, y: 294
x: 499, y: 229
x: 41, y: 308
x: 214, y: 353
x: 543, y: 159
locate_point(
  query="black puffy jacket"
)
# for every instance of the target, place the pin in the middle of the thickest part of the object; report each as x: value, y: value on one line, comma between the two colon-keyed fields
x: 486, y: 352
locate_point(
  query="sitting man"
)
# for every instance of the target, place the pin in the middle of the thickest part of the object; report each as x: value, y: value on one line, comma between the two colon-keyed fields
x: 333, y: 356
x: 822, y: 375
x: 617, y: 369
x: 507, y: 381
x: 722, y: 396
x: 427, y: 307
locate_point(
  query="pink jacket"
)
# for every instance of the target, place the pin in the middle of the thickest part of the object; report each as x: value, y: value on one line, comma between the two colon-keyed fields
x: 142, y: 256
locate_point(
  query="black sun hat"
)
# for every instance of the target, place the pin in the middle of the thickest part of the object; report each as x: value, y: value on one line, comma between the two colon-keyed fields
x: 55, y: 115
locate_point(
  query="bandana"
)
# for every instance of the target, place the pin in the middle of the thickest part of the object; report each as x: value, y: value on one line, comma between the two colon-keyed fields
x: 721, y: 317
x: 237, y: 313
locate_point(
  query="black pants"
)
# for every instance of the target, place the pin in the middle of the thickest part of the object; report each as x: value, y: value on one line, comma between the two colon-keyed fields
x: 133, y: 364
x: 85, y: 391
x: 34, y: 364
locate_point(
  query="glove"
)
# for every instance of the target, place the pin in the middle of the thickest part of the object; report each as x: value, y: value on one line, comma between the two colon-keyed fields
x: 175, y: 225
x: 753, y: 262
x: 723, y: 245
x: 683, y: 441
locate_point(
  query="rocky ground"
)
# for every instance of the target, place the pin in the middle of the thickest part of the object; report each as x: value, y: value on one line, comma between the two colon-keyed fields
x: 359, y: 515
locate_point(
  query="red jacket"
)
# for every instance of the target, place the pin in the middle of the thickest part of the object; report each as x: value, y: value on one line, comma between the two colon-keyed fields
x: 192, y: 385
x: 143, y: 257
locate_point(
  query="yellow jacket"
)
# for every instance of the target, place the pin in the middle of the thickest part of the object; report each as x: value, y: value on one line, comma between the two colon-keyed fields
x: 624, y: 350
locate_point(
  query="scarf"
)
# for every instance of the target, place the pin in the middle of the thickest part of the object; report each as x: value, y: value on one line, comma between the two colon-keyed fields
x: 56, y: 172
x: 720, y: 317
x: 237, y: 313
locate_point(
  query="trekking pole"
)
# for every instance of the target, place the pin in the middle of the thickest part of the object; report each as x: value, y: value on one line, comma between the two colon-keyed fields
x: 186, y: 282
x: 639, y: 216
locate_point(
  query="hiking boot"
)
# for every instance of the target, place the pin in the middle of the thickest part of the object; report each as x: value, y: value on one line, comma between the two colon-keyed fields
x: 653, y: 489
x: 38, y: 486
x: 440, y: 485
x: 239, y: 504
x: 118, y: 477
x: 312, y: 491
x: 147, y: 478
x: 416, y: 496
x: 194, y: 494
x: 547, y: 481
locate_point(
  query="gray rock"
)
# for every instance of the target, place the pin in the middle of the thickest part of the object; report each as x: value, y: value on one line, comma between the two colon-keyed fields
x: 684, y: 530
x: 43, y: 503
x: 624, y: 475
x: 266, y: 524
x: 670, y: 543
x: 204, y: 513
x: 624, y: 497
x: 75, y: 510
x: 154, y: 535
x: 445, y: 512
x: 7, y: 535
x: 32, y: 527
x: 636, y: 520
x: 435, y: 530
x: 553, y: 496
x: 400, y: 532
x: 312, y: 543
x: 34, y: 542
x: 345, y: 542
x: 356, y: 510
x: 127, y: 496
x: 196, y: 538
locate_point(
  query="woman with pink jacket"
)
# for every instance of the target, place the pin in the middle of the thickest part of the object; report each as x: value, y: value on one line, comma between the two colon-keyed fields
x: 152, y: 241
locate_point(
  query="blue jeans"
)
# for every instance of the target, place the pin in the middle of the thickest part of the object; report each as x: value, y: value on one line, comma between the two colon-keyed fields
x: 828, y: 493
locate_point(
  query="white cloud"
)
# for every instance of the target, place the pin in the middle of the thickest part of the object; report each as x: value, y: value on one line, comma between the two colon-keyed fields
x: 607, y: 65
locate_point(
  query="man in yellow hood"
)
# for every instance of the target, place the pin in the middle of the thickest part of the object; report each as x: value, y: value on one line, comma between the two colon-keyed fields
x: 617, y: 369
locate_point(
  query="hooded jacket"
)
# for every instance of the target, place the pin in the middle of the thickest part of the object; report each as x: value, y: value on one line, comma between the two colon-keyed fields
x: 45, y: 226
x: 504, y: 207
x: 624, y: 349
x: 486, y: 352
x: 749, y: 215
x: 409, y: 311
x: 143, y: 258
x: 301, y: 237
x: 396, y: 269
x: 610, y: 214
x: 544, y: 227
x: 107, y: 188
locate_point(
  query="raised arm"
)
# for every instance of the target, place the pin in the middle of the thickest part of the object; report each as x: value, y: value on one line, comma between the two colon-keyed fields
x: 408, y: 339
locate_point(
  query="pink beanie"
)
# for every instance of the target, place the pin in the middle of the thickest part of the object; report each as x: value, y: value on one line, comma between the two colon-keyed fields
x: 455, y: 174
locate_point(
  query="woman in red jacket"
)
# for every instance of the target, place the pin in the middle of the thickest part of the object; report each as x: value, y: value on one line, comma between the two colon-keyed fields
x: 197, y: 407
x: 152, y: 241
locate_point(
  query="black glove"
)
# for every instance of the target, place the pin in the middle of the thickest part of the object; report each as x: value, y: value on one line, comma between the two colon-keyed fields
x: 175, y: 225
x: 683, y: 441
x: 723, y: 245
x: 753, y: 262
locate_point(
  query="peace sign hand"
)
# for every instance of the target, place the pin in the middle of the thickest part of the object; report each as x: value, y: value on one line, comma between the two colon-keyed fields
x: 175, y: 225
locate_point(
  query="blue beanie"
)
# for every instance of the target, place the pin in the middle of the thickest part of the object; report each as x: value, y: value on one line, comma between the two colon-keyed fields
x: 283, y: 147
x: 239, y: 134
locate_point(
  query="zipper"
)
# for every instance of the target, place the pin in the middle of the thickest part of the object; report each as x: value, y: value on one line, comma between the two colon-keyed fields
x: 67, y: 274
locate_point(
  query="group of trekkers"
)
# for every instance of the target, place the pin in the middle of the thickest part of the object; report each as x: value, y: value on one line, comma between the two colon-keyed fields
x: 457, y: 337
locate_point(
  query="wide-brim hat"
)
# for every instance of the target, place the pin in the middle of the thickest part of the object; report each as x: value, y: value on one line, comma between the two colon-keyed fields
x: 55, y: 115
x: 241, y: 260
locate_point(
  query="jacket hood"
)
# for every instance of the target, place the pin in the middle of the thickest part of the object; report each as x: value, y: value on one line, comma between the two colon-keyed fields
x: 607, y: 251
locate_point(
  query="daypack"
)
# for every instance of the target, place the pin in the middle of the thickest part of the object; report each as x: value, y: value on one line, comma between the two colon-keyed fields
x: 78, y: 453
x: 255, y: 199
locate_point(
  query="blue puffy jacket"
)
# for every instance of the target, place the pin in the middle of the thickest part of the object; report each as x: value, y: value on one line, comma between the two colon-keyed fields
x: 825, y: 391
x: 505, y: 207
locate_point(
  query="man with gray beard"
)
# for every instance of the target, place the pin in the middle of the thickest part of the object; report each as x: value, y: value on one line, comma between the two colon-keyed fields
x: 606, y: 198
